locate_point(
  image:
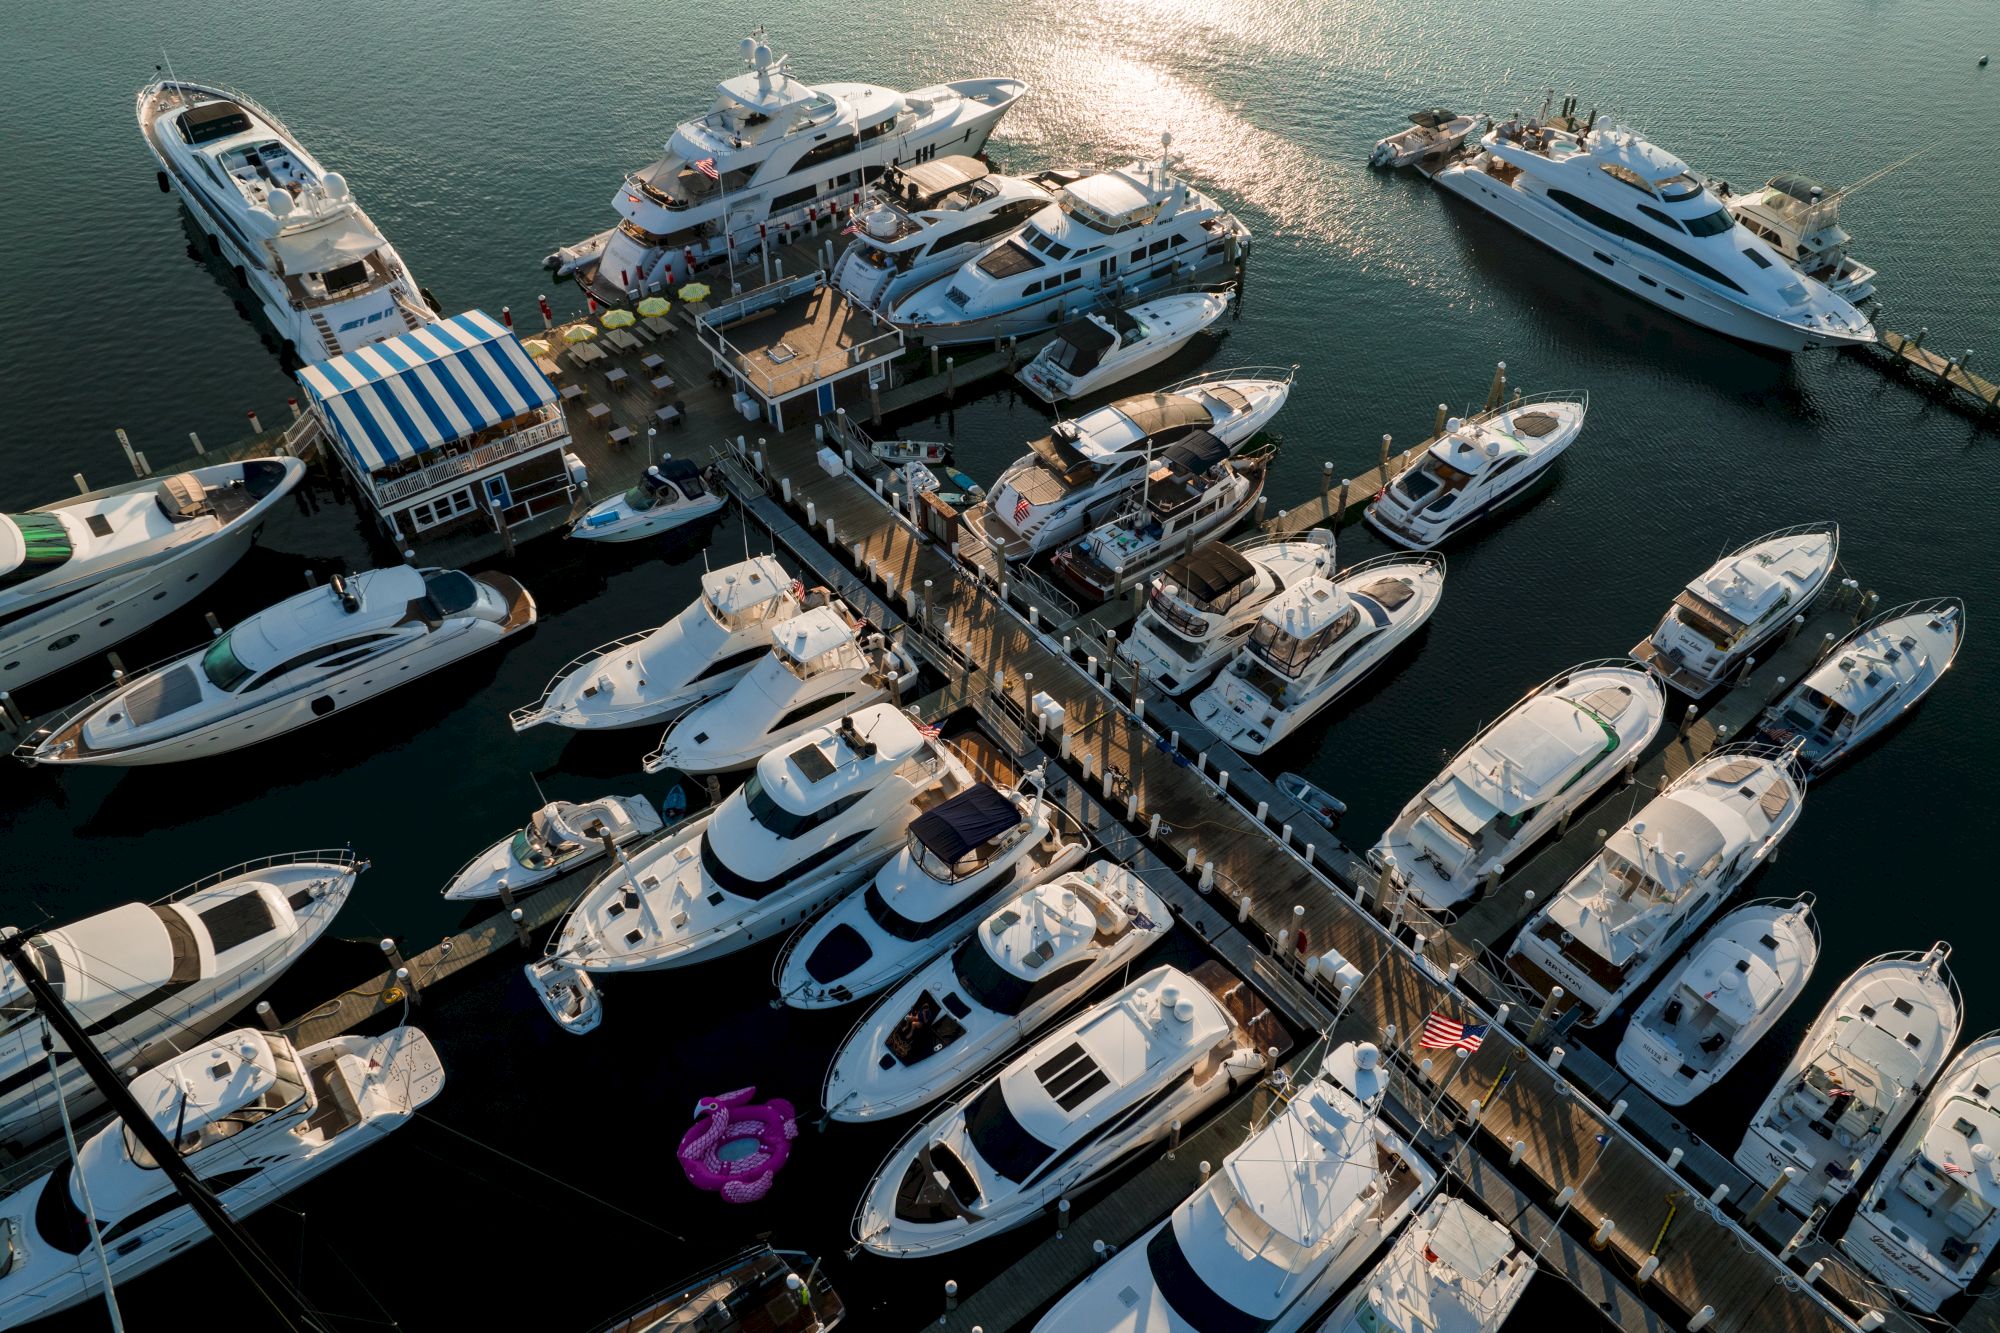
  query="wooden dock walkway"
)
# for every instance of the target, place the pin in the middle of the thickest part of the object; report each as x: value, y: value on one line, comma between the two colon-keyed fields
x: 1948, y: 372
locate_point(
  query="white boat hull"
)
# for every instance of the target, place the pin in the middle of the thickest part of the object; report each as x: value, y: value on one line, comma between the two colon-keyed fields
x: 613, y: 522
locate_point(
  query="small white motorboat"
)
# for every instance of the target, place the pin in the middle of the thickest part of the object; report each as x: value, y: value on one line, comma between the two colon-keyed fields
x: 670, y: 494
x: 1432, y: 132
x: 1737, y: 605
x: 570, y: 994
x: 560, y: 837
x: 1102, y: 348
x: 1476, y: 468
x: 900, y: 452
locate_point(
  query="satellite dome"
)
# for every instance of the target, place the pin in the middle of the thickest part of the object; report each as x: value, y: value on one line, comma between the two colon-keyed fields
x: 336, y: 185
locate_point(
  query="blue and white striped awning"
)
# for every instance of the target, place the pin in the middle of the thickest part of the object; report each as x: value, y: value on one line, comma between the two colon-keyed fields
x: 394, y: 399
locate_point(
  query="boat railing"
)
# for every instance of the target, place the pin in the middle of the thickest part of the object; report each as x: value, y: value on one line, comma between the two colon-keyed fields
x: 52, y: 722
x: 343, y: 857
x: 181, y: 86
x: 521, y: 718
x: 1284, y: 374
x: 1933, y: 607
x: 458, y: 465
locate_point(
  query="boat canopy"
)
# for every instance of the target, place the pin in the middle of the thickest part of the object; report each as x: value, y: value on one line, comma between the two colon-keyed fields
x: 1433, y: 117
x: 920, y: 183
x: 1196, y: 453
x: 345, y: 239
x: 1213, y: 575
x: 1081, y: 345
x: 971, y: 819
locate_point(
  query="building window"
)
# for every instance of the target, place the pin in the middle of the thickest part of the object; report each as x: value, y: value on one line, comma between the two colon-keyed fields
x: 443, y: 509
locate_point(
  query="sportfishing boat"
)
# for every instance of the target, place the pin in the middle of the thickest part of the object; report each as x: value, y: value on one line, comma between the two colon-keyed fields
x: 1266, y: 1241
x: 1134, y: 233
x: 924, y: 218
x: 1722, y: 1000
x: 1635, y: 215
x: 1194, y: 489
x: 327, y: 278
x: 773, y: 154
x: 1659, y: 878
x: 655, y: 673
x: 1104, y: 347
x: 1477, y: 467
x: 561, y: 837
x: 820, y: 667
x: 1930, y: 1221
x: 307, y: 658
x: 1098, y: 1088
x: 1872, y: 677
x: 80, y: 575
x: 1433, y: 133
x: 761, y: 1290
x: 817, y: 816
x: 1800, y: 219
x: 146, y: 979
x: 669, y: 495
x: 255, y: 1117
x: 1518, y: 779
x: 1085, y: 470
x: 1722, y: 618
x: 1027, y: 962
x: 1202, y: 608
x: 1313, y: 642
x: 930, y: 896
x: 1864, y: 1063
x: 1453, y: 1270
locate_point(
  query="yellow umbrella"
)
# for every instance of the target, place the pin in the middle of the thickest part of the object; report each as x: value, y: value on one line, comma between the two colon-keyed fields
x: 654, y: 306
x: 579, y: 333
x: 536, y: 347
x: 619, y: 319
x: 695, y: 291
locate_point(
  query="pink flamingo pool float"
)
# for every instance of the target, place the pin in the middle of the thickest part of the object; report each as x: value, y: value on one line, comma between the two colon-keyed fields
x: 736, y: 1148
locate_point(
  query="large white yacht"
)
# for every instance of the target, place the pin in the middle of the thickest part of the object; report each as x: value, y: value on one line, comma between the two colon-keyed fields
x: 1930, y: 1221
x: 1477, y: 467
x: 1519, y: 778
x: 1265, y: 1242
x: 1872, y: 677
x: 1864, y: 1063
x: 1130, y: 234
x: 816, y: 817
x: 925, y: 218
x: 1088, y: 1095
x: 1453, y: 1270
x: 1313, y: 642
x: 560, y: 838
x: 147, y: 978
x: 928, y: 897
x: 1201, y: 609
x: 1086, y: 469
x: 1636, y: 216
x: 772, y: 152
x: 255, y: 1117
x: 821, y: 665
x: 701, y: 652
x: 1026, y: 963
x: 80, y: 575
x: 1729, y: 991
x: 328, y: 280
x: 1737, y: 605
x: 1659, y: 878
x: 310, y: 656
x: 1800, y: 219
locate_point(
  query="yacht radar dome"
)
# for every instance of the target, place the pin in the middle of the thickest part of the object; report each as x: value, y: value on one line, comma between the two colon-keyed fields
x: 336, y: 185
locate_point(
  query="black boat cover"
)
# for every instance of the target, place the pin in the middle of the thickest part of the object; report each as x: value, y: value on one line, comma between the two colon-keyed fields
x: 965, y: 821
x: 1210, y: 573
x: 1197, y: 452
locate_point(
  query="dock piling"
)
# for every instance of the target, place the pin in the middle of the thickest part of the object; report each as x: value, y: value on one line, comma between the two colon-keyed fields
x: 1497, y: 394
x: 130, y: 457
x: 12, y: 712
x: 195, y: 440
x: 256, y: 426
x: 82, y: 486
x: 267, y: 1015
x: 1770, y: 1195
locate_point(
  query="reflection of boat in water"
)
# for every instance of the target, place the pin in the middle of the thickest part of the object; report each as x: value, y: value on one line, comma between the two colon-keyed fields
x: 761, y: 1290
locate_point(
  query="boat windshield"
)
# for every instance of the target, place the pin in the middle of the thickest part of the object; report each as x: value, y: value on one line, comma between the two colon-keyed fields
x: 221, y: 665
x: 1189, y: 1295
x: 1710, y: 224
x: 1000, y: 1139
x: 287, y: 1086
x: 1290, y: 654
x: 45, y: 545
x: 529, y: 853
x: 1676, y: 188
x: 640, y: 498
x: 986, y: 983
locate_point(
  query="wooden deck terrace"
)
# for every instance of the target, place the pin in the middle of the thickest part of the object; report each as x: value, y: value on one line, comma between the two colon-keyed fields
x: 803, y: 339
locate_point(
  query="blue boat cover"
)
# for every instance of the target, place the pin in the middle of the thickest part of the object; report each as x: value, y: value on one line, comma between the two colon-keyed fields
x: 964, y: 822
x: 392, y: 400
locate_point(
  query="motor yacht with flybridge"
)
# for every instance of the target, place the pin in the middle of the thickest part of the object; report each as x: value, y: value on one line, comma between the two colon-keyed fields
x: 1636, y: 216
x: 1097, y: 1089
x: 1105, y: 346
x: 1518, y: 779
x: 80, y: 575
x: 1800, y: 219
x: 656, y: 673
x: 1194, y: 489
x: 1659, y: 878
x: 1725, y: 996
x: 1292, y: 1215
x: 561, y: 838
x: 818, y: 816
x: 1202, y: 608
x: 327, y: 278
x: 925, y: 218
x: 1737, y: 605
x: 254, y: 1115
x: 1085, y: 470
x: 1930, y: 1222
x: 310, y: 656
x: 960, y: 856
x: 1131, y: 234
x: 1477, y: 467
x: 1315, y: 641
x: 823, y: 663
x: 1453, y: 1270
x: 773, y: 154
x: 1025, y: 963
x: 145, y: 979
x: 1876, y: 674
x: 1864, y: 1063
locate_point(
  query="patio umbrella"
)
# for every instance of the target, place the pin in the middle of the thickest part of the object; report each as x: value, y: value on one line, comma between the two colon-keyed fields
x: 654, y: 306
x: 536, y: 347
x: 695, y: 291
x: 579, y: 333
x: 619, y: 319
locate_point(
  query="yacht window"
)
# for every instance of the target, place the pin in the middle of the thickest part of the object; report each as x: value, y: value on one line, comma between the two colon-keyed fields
x: 46, y: 546
x: 1676, y: 188
x: 825, y: 152
x: 884, y: 914
x: 806, y: 710
x: 780, y: 822
x: 1159, y: 245
x: 1610, y: 222
x: 1290, y: 654
x: 1659, y: 217
x: 172, y: 1202
x: 1007, y: 259
x: 325, y: 657
x: 1710, y: 224
x: 730, y: 881
x: 1035, y: 239
x: 1757, y: 259
x: 450, y: 592
x: 794, y: 199
x: 1627, y: 176
x: 731, y: 662
x: 1031, y: 289
x: 1140, y: 253
x: 1198, y: 1304
x: 1001, y: 1141
x: 1072, y: 275
x: 1057, y: 250
x: 221, y: 665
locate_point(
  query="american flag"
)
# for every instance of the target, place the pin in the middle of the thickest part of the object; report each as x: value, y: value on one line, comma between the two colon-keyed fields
x: 930, y: 731
x: 798, y: 590
x: 1021, y: 509
x: 707, y: 168
x: 1441, y: 1034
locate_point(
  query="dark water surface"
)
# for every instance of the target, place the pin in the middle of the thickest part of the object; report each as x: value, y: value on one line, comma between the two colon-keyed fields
x: 480, y: 135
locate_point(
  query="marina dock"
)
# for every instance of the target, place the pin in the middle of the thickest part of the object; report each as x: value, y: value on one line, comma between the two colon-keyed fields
x: 1950, y: 373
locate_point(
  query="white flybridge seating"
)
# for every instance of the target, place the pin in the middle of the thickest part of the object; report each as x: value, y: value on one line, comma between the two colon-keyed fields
x: 1737, y: 605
